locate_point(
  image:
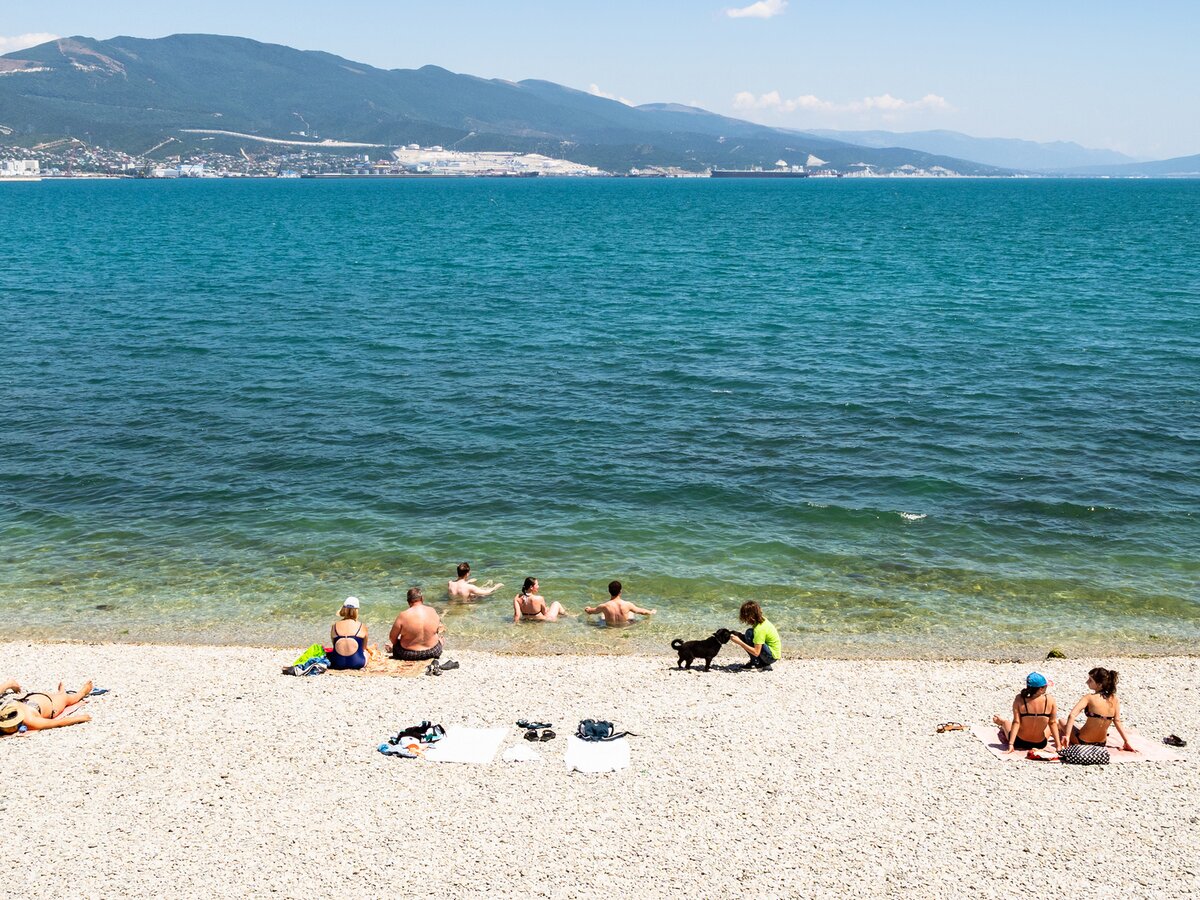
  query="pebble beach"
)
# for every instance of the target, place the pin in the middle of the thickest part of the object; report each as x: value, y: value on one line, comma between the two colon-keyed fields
x: 206, y: 772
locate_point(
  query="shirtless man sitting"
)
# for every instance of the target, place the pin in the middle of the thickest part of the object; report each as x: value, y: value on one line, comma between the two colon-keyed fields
x: 417, y: 632
x: 615, y: 610
x: 464, y: 588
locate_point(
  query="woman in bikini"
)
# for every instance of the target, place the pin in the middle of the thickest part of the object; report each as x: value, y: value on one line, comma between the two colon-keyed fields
x: 1035, y: 717
x: 349, y: 637
x: 39, y: 710
x: 1101, y: 708
x: 532, y: 606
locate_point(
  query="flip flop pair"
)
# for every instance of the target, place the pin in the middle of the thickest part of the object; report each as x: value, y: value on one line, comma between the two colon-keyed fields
x: 532, y: 735
x: 951, y: 726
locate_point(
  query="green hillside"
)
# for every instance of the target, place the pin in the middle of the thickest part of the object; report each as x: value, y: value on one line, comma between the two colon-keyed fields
x: 132, y: 93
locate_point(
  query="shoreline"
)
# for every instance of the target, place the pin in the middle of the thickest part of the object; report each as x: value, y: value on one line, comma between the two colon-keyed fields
x: 608, y: 643
x: 205, y: 766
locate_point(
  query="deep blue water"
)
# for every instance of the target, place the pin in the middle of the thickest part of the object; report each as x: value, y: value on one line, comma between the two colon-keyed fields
x: 907, y: 416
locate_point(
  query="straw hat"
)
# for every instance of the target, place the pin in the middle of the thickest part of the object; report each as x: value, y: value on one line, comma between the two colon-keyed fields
x: 12, y: 715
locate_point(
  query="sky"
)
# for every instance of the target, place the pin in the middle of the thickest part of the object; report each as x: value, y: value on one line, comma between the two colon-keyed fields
x: 1104, y: 74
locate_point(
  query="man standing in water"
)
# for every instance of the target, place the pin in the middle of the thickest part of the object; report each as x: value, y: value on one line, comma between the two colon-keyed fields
x: 615, y: 610
x: 417, y: 632
x: 464, y: 588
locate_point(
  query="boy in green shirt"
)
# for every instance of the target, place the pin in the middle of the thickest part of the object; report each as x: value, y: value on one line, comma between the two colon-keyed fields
x: 761, y: 639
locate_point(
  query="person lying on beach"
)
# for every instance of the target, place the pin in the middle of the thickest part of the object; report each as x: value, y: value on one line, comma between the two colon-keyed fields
x: 616, y: 610
x: 464, y: 587
x: 1101, y: 709
x: 39, y: 710
x: 531, y: 606
x: 349, y: 639
x: 760, y: 640
x: 1034, y: 719
x: 417, y: 632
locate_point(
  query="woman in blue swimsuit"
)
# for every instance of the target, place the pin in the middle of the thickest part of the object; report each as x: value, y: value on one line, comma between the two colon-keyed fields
x: 349, y: 637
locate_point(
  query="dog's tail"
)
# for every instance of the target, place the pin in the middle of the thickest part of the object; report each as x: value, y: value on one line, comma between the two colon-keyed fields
x: 677, y: 643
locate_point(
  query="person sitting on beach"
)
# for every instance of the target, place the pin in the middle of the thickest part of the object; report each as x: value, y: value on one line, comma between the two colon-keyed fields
x: 531, y: 606
x: 760, y: 640
x: 1101, y: 708
x: 464, y: 588
x: 39, y: 710
x: 349, y: 639
x: 417, y: 632
x: 617, y: 610
x: 1035, y: 717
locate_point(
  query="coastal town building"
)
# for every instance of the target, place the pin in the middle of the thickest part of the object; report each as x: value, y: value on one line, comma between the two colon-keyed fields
x: 440, y: 161
x: 19, y: 168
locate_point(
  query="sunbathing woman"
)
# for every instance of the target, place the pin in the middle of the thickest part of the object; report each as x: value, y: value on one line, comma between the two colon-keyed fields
x: 1035, y: 717
x: 1102, y: 708
x: 532, y: 606
x: 38, y: 710
x: 349, y: 637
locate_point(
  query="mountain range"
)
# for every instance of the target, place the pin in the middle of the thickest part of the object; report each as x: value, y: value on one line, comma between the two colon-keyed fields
x: 1005, y: 153
x: 151, y: 96
x: 134, y: 93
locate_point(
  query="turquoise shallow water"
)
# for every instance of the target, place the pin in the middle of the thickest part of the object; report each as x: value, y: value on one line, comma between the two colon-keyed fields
x: 909, y: 417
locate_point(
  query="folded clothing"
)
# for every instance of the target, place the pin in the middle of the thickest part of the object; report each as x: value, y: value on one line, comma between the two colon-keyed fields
x: 316, y: 666
x: 313, y: 652
x: 591, y: 730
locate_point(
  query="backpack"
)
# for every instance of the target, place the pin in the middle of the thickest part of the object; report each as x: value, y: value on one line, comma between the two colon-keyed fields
x: 1085, y: 755
x: 591, y: 730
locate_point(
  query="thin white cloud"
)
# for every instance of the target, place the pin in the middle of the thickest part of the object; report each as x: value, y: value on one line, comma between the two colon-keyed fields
x: 594, y: 90
x: 763, y: 9
x: 23, y: 41
x: 883, y: 103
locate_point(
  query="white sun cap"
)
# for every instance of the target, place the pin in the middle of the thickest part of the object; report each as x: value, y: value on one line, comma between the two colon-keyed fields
x: 350, y: 603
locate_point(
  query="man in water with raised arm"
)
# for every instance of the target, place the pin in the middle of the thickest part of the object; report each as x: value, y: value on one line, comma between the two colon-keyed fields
x: 417, y: 632
x: 615, y: 610
x: 464, y: 587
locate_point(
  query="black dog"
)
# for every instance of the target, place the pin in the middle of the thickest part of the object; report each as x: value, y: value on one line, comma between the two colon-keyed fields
x: 706, y: 649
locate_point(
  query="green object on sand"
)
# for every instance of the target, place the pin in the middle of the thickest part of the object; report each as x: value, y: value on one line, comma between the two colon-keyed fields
x: 1056, y: 654
x: 311, y: 653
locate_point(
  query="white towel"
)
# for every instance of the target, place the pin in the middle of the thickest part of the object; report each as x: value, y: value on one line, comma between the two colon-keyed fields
x: 597, y: 756
x: 467, y: 745
x: 521, y: 753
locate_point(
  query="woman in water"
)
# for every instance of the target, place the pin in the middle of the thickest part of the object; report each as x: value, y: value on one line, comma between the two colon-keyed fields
x: 1101, y: 707
x: 1035, y: 717
x: 349, y: 637
x: 530, y: 605
x: 38, y: 710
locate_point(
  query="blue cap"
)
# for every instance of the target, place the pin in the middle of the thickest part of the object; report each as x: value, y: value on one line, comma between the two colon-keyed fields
x: 1035, y: 680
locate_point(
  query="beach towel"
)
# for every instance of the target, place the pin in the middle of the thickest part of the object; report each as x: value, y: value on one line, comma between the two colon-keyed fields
x: 1147, y: 750
x: 384, y: 666
x: 521, y: 753
x: 592, y: 757
x: 467, y: 745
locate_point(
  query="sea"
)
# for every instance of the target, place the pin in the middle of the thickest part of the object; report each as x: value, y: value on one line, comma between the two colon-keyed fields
x: 909, y: 417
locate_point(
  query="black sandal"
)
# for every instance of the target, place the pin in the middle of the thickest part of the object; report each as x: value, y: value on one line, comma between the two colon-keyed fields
x: 1174, y: 740
x: 547, y: 735
x: 531, y: 735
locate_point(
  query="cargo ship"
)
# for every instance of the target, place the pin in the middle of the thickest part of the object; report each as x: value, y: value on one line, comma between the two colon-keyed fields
x: 758, y: 173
